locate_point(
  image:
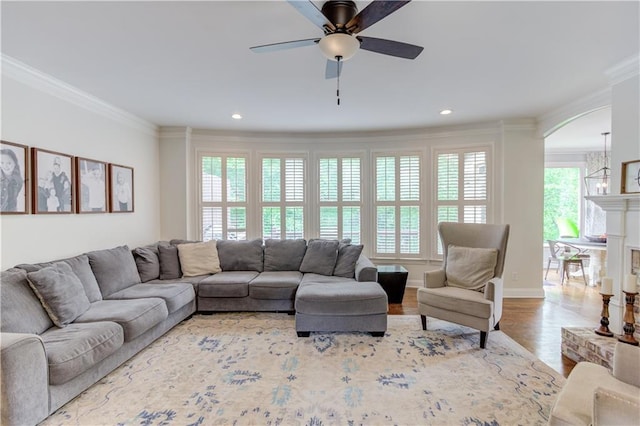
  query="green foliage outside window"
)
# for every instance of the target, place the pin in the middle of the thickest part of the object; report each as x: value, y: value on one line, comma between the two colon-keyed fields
x: 561, y: 197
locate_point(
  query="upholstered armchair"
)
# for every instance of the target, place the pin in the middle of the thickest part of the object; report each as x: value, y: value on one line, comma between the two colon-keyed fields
x: 593, y: 395
x: 468, y: 288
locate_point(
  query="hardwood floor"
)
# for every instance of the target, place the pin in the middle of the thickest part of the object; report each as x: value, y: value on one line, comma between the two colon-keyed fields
x: 535, y: 323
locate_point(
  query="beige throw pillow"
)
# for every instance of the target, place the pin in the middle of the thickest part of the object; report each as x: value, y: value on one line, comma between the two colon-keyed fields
x: 469, y: 267
x: 199, y: 258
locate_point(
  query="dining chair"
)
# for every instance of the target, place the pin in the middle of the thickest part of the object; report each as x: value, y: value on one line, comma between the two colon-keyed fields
x: 565, y: 255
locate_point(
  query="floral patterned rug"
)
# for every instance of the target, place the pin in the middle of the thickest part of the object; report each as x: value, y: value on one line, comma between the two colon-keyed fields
x: 251, y: 368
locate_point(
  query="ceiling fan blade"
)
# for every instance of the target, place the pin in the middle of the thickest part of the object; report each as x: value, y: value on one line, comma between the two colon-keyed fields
x: 390, y: 47
x: 333, y: 70
x: 375, y: 11
x: 284, y: 45
x: 312, y: 13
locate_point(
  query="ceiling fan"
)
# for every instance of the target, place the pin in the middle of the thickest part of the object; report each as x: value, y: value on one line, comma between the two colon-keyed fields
x: 340, y: 22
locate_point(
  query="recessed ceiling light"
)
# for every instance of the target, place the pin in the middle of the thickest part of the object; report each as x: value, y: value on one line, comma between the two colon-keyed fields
x: 446, y: 112
x: 236, y: 116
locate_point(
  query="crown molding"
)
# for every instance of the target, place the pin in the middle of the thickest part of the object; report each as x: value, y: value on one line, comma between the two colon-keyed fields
x: 29, y: 76
x: 554, y: 120
x: 624, y: 70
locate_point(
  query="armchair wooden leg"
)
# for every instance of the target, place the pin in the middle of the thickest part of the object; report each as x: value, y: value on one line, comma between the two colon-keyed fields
x: 483, y: 339
x: 423, y: 318
x: 497, y: 326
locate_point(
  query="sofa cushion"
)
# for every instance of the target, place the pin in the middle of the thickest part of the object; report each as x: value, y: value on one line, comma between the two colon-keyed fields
x: 226, y: 284
x: 320, y: 257
x: 81, y: 267
x: 60, y: 292
x: 275, y: 285
x: 346, y: 262
x: 240, y: 255
x: 469, y: 267
x: 283, y: 255
x: 175, y: 295
x: 78, y: 347
x: 199, y: 258
x: 114, y: 269
x: 147, y: 262
x: 310, y: 278
x: 134, y: 316
x: 169, y: 262
x: 348, y: 298
x: 20, y: 309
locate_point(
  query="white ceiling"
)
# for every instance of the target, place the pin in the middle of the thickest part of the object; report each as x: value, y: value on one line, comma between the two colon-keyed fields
x: 189, y: 63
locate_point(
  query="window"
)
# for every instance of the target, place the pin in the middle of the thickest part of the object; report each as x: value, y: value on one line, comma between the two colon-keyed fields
x: 397, y: 205
x: 283, y: 197
x: 562, y: 197
x: 461, y: 188
x: 339, y: 188
x: 223, y: 206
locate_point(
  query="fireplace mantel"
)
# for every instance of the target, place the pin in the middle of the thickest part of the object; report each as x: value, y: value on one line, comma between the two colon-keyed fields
x: 623, y: 202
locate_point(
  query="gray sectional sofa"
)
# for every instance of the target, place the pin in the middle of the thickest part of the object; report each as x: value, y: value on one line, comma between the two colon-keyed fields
x: 66, y: 324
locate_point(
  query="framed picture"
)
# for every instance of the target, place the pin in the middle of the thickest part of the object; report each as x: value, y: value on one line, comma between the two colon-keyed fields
x: 91, y: 186
x: 630, y: 177
x: 13, y: 178
x: 120, y: 189
x: 53, y: 182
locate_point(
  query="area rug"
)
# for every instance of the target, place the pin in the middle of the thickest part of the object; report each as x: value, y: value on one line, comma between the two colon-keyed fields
x: 251, y: 368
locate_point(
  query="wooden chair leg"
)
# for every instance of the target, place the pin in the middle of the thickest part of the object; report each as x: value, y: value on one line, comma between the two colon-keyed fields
x: 483, y: 339
x: 423, y: 318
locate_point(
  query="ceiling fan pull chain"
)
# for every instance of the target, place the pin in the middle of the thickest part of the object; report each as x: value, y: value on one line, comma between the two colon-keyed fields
x: 338, y: 58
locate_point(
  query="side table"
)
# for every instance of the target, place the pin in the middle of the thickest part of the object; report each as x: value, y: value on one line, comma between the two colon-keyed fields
x: 393, y: 279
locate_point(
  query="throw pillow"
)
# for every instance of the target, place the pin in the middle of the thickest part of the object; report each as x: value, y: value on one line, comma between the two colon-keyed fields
x: 115, y: 269
x: 21, y: 310
x: 469, y: 267
x: 81, y: 267
x: 147, y: 262
x: 169, y: 262
x: 199, y: 258
x: 348, y: 255
x: 320, y: 257
x: 60, y: 292
x: 283, y: 255
x: 240, y: 255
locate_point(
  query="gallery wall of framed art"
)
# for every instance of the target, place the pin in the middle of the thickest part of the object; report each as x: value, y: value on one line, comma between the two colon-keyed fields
x: 40, y: 181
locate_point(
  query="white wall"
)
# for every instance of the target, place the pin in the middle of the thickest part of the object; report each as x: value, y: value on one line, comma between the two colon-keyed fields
x: 40, y: 112
x: 517, y: 182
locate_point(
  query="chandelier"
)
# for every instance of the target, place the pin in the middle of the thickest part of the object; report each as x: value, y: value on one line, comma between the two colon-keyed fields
x: 597, y: 183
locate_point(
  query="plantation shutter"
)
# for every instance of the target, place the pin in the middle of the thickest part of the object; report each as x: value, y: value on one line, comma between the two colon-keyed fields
x: 461, y: 188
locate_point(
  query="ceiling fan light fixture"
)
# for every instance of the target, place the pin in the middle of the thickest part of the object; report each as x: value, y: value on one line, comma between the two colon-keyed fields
x: 339, y: 45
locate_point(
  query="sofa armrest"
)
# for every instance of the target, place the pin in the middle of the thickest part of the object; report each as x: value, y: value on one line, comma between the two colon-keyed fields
x: 434, y: 279
x: 366, y: 270
x: 25, y: 379
x: 615, y: 408
x: 626, y: 359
